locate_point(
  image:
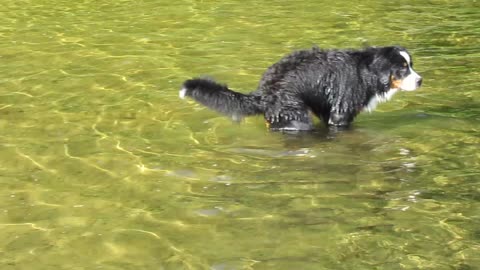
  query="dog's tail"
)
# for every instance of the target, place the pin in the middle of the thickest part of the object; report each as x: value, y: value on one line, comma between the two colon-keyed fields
x: 221, y: 99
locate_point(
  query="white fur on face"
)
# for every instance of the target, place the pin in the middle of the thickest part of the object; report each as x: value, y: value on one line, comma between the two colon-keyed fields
x: 410, y: 82
x: 182, y: 93
x: 407, y: 57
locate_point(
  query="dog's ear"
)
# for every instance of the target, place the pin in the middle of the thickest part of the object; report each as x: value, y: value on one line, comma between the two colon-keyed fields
x: 384, y: 79
x: 380, y: 66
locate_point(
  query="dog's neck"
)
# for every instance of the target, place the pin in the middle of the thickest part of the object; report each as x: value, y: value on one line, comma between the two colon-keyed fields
x: 379, y: 98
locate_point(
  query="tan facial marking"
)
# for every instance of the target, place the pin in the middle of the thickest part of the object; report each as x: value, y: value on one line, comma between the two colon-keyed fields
x: 394, y: 83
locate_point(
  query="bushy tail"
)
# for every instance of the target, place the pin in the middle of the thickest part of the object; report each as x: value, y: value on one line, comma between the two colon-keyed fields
x: 221, y: 99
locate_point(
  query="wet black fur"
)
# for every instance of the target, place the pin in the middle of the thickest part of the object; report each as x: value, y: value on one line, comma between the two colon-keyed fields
x: 335, y: 85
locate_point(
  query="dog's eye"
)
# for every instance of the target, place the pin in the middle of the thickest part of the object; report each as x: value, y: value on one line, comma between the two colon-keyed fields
x: 405, y: 64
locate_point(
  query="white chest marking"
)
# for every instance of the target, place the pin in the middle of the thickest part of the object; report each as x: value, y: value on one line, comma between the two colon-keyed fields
x: 379, y: 98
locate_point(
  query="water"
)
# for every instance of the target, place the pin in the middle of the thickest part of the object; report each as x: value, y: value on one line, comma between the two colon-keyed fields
x: 103, y: 167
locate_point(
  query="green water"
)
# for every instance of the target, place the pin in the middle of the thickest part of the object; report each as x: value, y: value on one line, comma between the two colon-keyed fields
x: 102, y: 166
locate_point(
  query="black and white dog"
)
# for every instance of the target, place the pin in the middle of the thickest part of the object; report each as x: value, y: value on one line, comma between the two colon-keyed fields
x: 334, y: 85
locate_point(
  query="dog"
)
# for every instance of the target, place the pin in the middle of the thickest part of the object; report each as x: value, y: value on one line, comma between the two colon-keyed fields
x: 334, y: 85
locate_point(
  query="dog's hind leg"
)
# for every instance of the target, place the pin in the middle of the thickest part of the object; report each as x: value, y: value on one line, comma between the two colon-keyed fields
x: 289, y: 119
x: 292, y: 125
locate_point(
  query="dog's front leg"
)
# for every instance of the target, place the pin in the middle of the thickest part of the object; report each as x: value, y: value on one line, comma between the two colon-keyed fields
x: 340, y: 119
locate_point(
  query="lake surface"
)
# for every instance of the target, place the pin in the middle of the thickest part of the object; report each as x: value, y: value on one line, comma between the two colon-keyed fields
x: 102, y: 166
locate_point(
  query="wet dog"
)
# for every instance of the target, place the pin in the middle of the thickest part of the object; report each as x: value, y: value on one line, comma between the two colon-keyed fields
x: 334, y: 85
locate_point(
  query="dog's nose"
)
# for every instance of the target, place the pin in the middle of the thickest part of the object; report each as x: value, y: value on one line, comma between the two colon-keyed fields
x: 419, y: 81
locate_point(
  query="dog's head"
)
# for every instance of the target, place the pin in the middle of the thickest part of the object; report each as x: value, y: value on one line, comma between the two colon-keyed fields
x: 394, y: 67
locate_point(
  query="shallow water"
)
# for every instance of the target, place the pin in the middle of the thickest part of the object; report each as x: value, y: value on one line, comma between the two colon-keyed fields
x: 103, y: 167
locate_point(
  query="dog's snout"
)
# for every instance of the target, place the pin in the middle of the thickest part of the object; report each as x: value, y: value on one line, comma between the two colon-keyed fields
x: 419, y: 81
